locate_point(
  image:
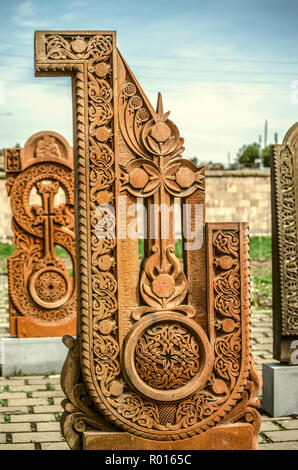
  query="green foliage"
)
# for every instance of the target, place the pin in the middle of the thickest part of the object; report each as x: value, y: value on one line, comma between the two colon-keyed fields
x: 248, y: 155
x: 266, y: 156
x: 61, y: 252
x: 50, y: 387
x: 6, y: 249
x: 264, y: 285
x: 260, y: 247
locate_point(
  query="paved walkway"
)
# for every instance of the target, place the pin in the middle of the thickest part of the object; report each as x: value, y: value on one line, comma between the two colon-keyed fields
x: 30, y: 406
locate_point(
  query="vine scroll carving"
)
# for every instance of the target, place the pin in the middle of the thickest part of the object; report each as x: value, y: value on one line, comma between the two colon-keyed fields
x: 42, y: 297
x: 163, y: 348
x: 284, y: 182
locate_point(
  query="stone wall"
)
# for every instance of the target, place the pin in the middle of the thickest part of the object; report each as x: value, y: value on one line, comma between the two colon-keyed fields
x: 242, y: 196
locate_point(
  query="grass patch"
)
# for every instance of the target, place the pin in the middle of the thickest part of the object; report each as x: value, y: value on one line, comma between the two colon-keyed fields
x: 30, y: 410
x: 6, y: 249
x: 5, y: 388
x: 263, y: 284
x: 260, y: 247
x: 3, y: 402
x: 50, y: 387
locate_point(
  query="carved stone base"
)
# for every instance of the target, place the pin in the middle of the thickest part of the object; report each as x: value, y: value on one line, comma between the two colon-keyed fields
x: 25, y: 328
x: 225, y: 437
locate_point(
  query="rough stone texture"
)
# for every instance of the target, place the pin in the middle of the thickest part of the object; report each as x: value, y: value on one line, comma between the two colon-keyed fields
x: 224, y: 204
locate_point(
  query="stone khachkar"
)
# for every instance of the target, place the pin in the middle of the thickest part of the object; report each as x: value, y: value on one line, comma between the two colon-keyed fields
x: 285, y: 245
x: 42, y: 294
x: 284, y: 196
x: 162, y: 358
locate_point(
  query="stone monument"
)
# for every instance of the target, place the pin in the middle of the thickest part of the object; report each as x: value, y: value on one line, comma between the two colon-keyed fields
x: 42, y: 294
x: 284, y: 191
x: 162, y: 358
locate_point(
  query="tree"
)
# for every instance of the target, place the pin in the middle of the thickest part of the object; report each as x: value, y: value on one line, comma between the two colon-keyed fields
x: 266, y: 156
x: 248, y: 155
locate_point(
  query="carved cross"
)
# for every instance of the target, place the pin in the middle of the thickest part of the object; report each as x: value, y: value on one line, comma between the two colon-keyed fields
x: 47, y: 214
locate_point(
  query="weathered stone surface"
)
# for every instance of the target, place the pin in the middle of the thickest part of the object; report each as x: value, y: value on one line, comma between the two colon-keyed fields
x: 229, y: 437
x: 42, y: 296
x: 284, y: 181
x: 166, y: 345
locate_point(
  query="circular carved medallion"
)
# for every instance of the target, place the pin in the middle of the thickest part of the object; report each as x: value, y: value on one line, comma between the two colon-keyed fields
x: 167, y: 356
x: 50, y: 287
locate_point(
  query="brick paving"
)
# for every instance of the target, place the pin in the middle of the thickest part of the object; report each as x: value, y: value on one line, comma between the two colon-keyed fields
x: 30, y: 406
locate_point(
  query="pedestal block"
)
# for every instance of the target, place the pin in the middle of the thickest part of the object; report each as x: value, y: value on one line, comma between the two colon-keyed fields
x: 30, y: 356
x: 229, y: 437
x: 280, y: 387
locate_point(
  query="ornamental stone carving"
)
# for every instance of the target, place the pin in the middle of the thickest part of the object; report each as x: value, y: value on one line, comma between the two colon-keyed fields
x: 284, y: 191
x: 42, y: 297
x: 163, y: 349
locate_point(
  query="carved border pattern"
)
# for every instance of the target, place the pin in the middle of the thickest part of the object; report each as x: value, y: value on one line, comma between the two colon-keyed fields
x: 28, y: 234
x: 99, y: 350
x: 286, y: 237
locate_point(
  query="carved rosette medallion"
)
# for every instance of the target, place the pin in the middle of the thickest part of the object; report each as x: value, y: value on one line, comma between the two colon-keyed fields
x: 166, y: 359
x: 41, y: 290
x: 154, y: 367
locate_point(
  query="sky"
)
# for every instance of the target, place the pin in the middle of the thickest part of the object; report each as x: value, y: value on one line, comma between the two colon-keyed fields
x: 222, y: 66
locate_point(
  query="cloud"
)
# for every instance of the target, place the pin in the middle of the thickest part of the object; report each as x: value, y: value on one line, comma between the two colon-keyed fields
x: 26, y: 14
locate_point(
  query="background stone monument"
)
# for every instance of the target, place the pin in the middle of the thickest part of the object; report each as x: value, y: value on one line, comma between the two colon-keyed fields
x: 284, y: 376
x: 42, y: 294
x: 162, y: 358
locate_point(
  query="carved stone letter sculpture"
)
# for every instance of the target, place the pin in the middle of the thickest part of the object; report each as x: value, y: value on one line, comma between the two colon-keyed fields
x: 163, y: 358
x: 42, y: 297
x: 284, y: 192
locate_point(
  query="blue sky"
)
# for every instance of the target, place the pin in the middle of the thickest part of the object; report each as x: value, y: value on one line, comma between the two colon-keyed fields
x: 223, y: 66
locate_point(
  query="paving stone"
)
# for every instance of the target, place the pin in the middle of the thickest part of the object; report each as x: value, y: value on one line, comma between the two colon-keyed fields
x: 6, y: 381
x: 270, y: 418
x: 281, y: 436
x: 17, y: 447
x: 26, y: 388
x: 36, y: 437
x: 32, y: 418
x: 27, y: 401
x: 293, y: 424
x: 279, y: 446
x: 57, y: 401
x: 54, y: 446
x: 40, y: 381
x: 2, y: 438
x: 48, y: 409
x: 15, y: 427
x: 55, y: 426
x: 49, y: 394
x: 16, y: 410
x: 9, y: 395
x: 269, y: 426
